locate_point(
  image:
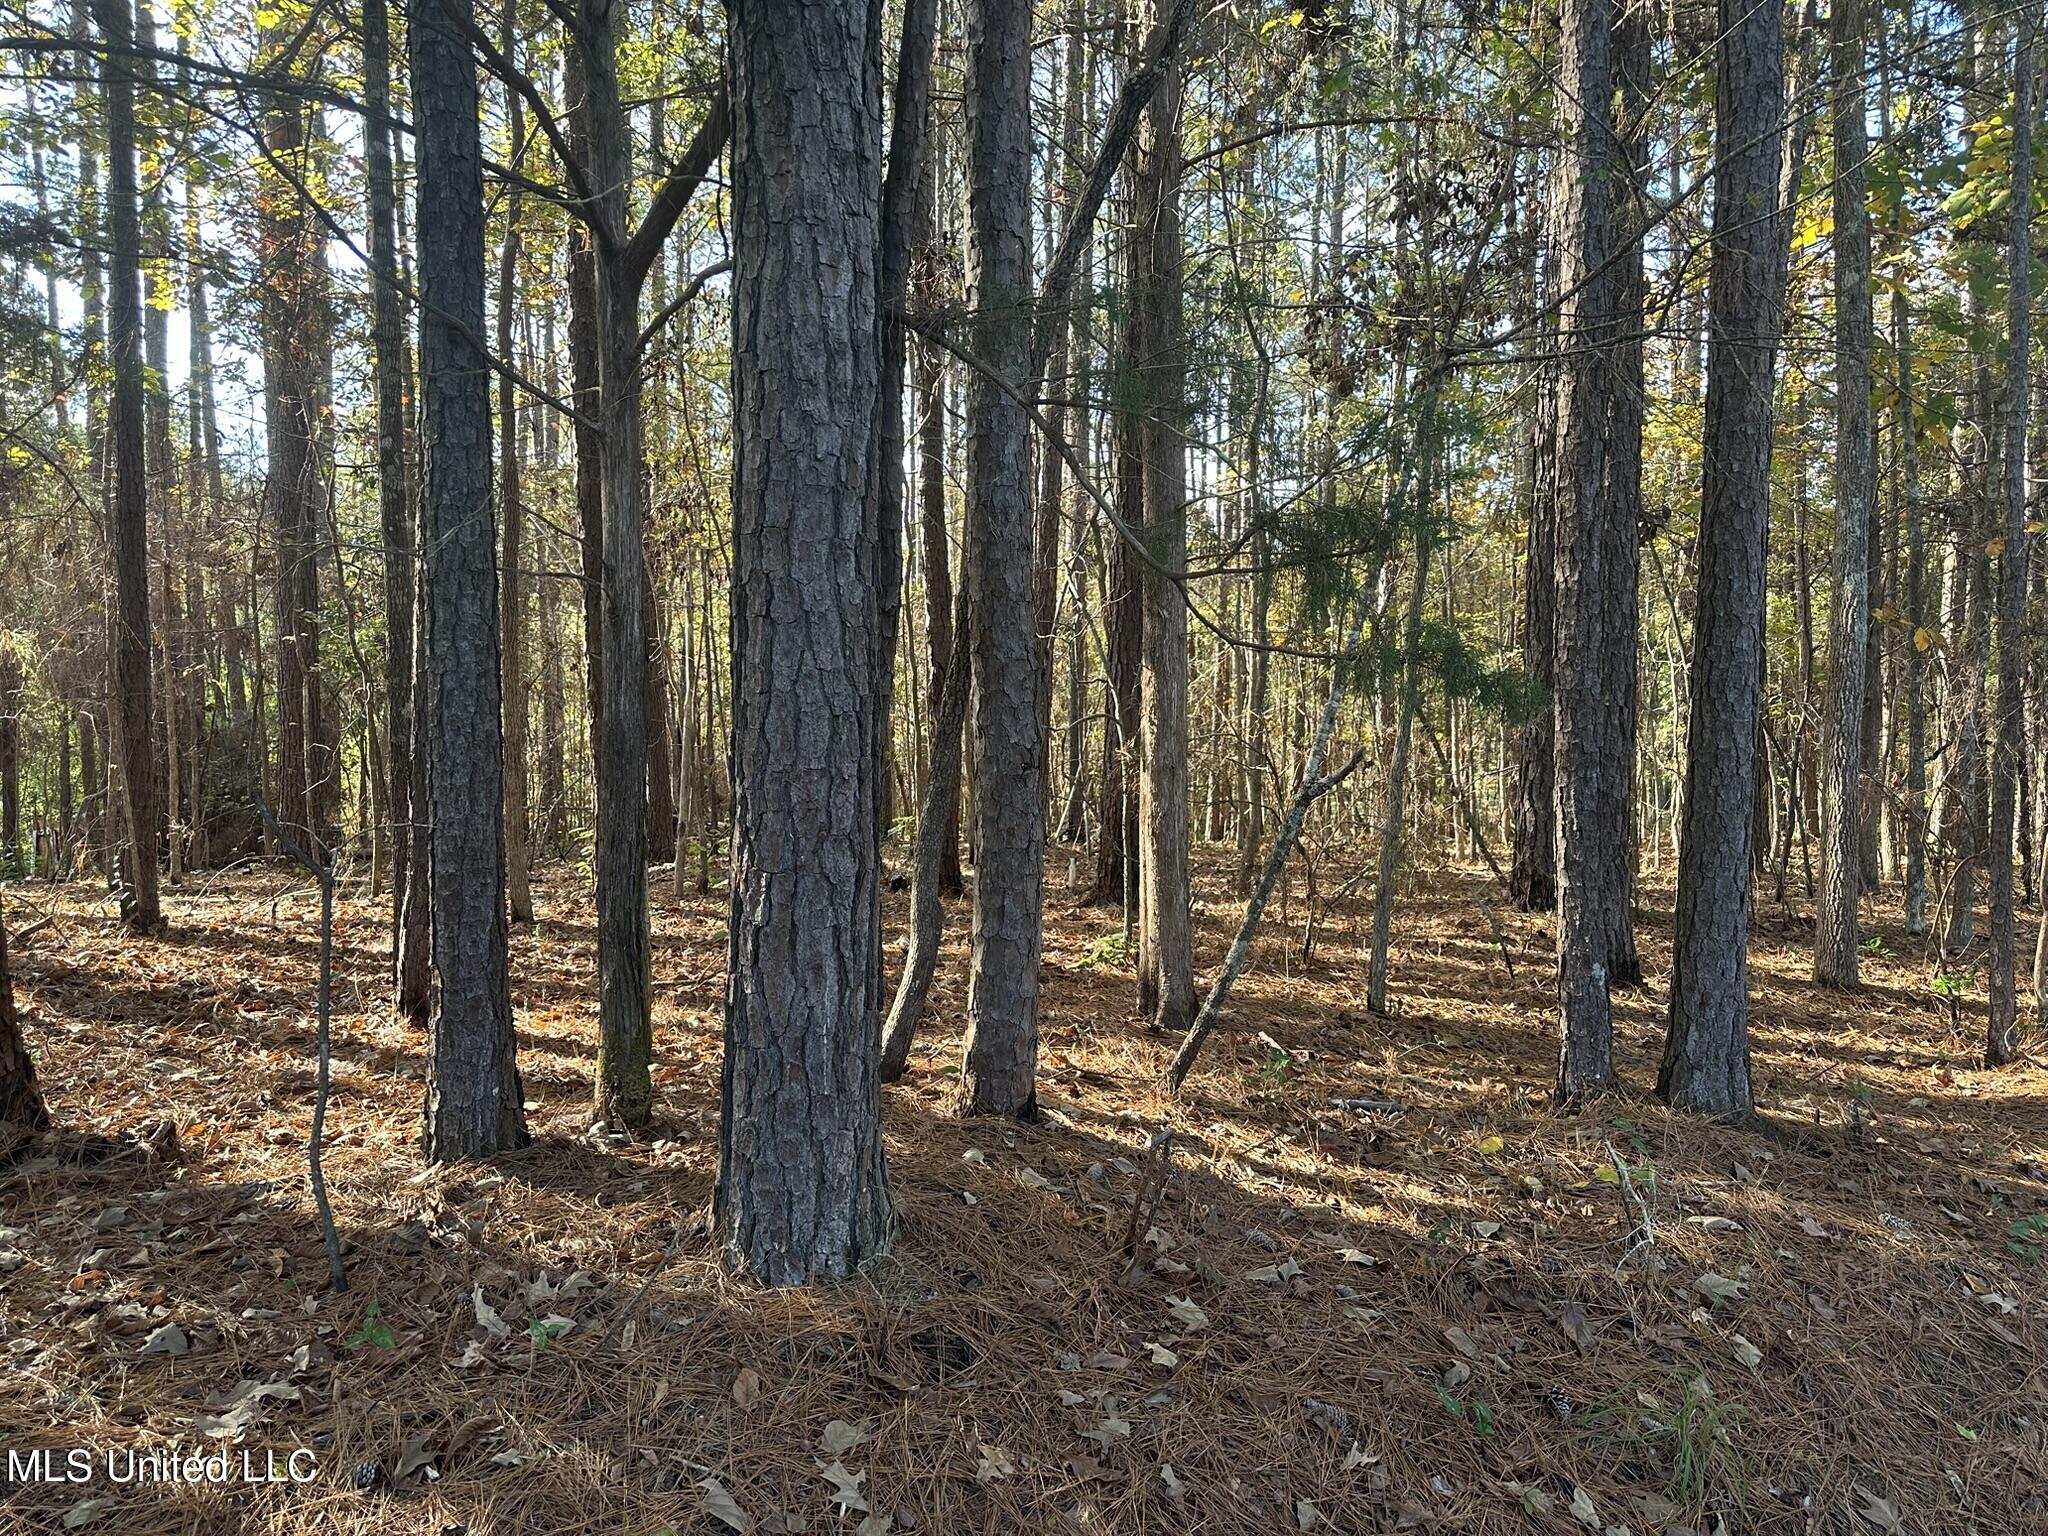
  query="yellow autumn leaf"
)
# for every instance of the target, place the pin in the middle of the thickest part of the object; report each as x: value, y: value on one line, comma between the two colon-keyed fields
x: 1492, y: 1146
x: 1923, y: 639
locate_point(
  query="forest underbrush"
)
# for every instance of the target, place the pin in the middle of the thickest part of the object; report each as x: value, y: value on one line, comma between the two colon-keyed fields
x: 1381, y: 1285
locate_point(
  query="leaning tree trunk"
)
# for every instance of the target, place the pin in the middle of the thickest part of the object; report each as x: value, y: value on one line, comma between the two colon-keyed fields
x: 927, y: 878
x: 128, y: 513
x: 1834, y: 935
x: 2002, y: 1040
x: 1706, y: 1052
x: 475, y: 1105
x: 803, y: 1193
x: 999, y: 1075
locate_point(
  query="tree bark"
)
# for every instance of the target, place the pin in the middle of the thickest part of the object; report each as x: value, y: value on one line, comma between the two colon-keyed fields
x: 623, y: 1092
x: 1588, y: 716
x: 1835, y: 916
x: 999, y: 1075
x: 512, y: 581
x: 1706, y: 1065
x: 128, y: 515
x: 475, y: 1104
x: 2002, y: 1038
x: 803, y: 1193
x: 1166, y: 982
x: 21, y: 1097
x: 391, y: 367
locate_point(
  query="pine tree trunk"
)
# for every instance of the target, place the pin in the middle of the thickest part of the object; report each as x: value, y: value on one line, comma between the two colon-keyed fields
x: 1622, y: 524
x: 21, y: 1097
x: 999, y: 1076
x: 623, y: 1092
x: 1706, y: 1052
x: 1166, y: 983
x: 2002, y: 1039
x: 512, y: 594
x: 803, y: 1193
x: 1591, y: 298
x: 128, y: 513
x: 475, y: 1105
x: 1835, y: 915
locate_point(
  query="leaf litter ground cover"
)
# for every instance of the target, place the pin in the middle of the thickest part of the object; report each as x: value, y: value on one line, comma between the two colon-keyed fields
x: 1382, y: 1286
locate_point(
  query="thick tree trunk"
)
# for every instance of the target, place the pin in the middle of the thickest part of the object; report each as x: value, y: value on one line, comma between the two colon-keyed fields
x: 999, y: 1075
x: 2002, y: 1038
x: 21, y: 1098
x: 803, y: 1193
x: 1835, y: 915
x: 1166, y: 982
x: 128, y: 515
x: 1588, y: 716
x: 1706, y: 1053
x: 475, y: 1105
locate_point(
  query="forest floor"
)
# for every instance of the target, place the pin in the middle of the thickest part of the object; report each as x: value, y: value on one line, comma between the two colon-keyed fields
x: 1462, y: 1314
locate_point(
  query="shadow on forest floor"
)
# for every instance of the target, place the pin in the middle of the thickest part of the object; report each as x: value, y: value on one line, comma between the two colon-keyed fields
x: 1444, y: 1318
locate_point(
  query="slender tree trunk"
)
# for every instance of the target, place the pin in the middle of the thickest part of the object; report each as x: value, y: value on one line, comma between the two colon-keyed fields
x: 623, y: 1092
x: 128, y: 515
x: 927, y: 882
x: 475, y: 1104
x: 1835, y: 916
x: 1166, y: 982
x: 941, y: 635
x: 1706, y: 1053
x: 1621, y: 528
x: 999, y: 1076
x: 1397, y: 770
x: 512, y: 581
x: 2002, y: 1039
x: 411, y: 940
x: 803, y: 1193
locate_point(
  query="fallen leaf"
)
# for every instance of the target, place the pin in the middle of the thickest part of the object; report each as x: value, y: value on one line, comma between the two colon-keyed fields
x: 839, y: 1437
x: 1186, y: 1313
x: 487, y: 1315
x: 992, y: 1462
x: 83, y: 1513
x: 746, y: 1387
x: 1306, y: 1516
x: 1719, y: 1288
x: 1583, y: 1509
x: 168, y: 1340
x: 846, y: 1489
x: 1745, y: 1351
x: 722, y: 1507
